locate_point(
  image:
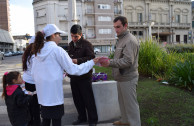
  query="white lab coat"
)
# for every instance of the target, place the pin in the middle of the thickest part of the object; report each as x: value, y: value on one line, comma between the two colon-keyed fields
x: 47, y: 71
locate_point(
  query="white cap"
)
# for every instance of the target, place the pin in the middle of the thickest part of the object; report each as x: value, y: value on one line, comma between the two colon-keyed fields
x: 32, y: 40
x: 50, y: 29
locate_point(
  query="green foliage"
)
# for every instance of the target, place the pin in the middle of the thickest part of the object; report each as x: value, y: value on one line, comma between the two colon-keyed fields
x: 155, y: 62
x: 181, y: 48
x: 151, y: 59
x: 182, y: 74
x: 111, y: 56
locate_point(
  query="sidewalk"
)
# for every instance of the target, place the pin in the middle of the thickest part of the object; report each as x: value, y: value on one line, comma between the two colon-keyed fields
x: 70, y: 110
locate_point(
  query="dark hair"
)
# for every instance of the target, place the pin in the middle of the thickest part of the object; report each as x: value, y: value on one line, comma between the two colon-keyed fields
x: 26, y: 57
x: 122, y: 19
x: 38, y: 43
x: 76, y: 29
x: 8, y: 80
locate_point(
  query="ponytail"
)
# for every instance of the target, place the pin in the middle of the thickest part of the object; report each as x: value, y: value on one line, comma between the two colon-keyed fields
x: 8, y: 79
x: 26, y: 57
x: 38, y: 43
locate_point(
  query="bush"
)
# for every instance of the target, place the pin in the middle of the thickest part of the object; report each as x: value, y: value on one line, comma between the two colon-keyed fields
x: 151, y: 59
x: 181, y: 48
x: 182, y: 74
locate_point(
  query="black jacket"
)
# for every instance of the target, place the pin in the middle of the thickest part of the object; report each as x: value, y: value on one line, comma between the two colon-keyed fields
x: 83, y: 51
x: 17, y: 107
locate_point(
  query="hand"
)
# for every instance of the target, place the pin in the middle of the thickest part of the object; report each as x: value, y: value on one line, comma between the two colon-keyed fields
x: 96, y: 59
x: 74, y: 61
x: 105, y: 63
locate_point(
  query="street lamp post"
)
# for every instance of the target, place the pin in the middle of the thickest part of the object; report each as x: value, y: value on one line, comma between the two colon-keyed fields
x: 150, y: 30
x: 150, y: 24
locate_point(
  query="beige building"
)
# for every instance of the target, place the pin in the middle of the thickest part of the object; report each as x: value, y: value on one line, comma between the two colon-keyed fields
x: 4, y: 15
x: 171, y: 20
x: 95, y: 17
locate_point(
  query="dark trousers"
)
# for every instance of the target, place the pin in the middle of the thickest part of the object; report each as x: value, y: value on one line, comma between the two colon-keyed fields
x: 52, y: 113
x: 34, y: 107
x: 55, y: 122
x: 84, y: 99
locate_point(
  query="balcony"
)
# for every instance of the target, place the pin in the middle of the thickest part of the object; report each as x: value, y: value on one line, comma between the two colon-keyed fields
x: 88, y: 1
x: 117, y: 1
x: 62, y: 17
x: 92, y: 36
x: 161, y: 25
x: 89, y: 24
x: 89, y: 11
x: 136, y: 24
x: 181, y: 25
x: 156, y: 24
x: 117, y: 12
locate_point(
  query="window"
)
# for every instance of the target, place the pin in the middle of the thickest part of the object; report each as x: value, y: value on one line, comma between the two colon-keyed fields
x: 105, y: 31
x: 140, y: 33
x: 103, y: 6
x: 64, y: 37
x: 104, y: 18
x: 139, y: 16
x: 192, y: 24
x: 177, y: 19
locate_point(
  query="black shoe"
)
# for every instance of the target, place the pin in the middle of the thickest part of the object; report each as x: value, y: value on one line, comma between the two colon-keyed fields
x: 77, y: 122
x: 92, y: 124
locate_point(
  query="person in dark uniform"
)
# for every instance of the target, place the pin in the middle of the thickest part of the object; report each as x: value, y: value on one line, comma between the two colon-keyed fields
x: 81, y: 50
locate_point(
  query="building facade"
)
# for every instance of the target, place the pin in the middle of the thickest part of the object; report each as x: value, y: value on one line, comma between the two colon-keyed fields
x: 21, y: 42
x: 95, y: 17
x: 171, y: 20
x: 4, y: 15
x: 6, y: 41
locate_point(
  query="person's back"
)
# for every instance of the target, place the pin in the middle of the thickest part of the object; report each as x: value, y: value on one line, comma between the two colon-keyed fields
x: 48, y: 75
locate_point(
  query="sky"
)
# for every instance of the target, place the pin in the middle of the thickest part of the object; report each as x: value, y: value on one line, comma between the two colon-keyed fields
x: 22, y: 17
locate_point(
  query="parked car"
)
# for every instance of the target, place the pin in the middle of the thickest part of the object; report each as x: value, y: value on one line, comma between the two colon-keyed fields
x: 96, y: 50
x: 1, y: 56
x: 7, y: 54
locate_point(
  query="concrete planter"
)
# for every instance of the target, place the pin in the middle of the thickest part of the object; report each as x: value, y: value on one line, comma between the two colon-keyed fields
x: 106, y: 98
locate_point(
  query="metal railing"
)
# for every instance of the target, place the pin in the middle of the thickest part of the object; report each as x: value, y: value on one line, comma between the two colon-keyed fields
x: 117, y: 11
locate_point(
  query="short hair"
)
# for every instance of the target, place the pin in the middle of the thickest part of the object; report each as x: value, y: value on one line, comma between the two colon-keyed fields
x: 122, y: 19
x: 76, y: 29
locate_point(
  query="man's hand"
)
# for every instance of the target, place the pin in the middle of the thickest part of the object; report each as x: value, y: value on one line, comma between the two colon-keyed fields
x: 105, y: 63
x: 74, y: 61
x: 96, y: 59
